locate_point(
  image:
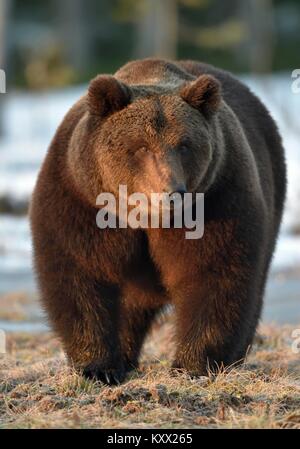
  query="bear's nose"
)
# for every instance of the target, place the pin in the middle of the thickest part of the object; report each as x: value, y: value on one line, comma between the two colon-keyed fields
x: 180, y: 188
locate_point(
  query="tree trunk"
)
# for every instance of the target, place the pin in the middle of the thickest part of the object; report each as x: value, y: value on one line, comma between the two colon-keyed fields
x: 258, y: 48
x: 74, y: 32
x: 157, y: 29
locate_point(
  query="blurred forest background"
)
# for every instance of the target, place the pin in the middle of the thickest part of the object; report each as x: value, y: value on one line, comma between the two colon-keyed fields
x: 50, y: 49
x: 53, y: 43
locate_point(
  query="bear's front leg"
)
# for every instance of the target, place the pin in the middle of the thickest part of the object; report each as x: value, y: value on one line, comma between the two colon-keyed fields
x: 100, y: 331
x: 216, y: 285
x: 85, y: 314
x: 216, y: 318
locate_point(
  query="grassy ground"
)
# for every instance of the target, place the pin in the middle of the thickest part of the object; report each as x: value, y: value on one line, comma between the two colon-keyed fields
x: 38, y: 390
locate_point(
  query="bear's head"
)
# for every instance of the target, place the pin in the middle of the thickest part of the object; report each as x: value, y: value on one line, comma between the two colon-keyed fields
x: 154, y: 138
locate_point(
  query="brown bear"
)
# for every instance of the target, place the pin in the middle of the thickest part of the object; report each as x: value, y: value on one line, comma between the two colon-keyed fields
x: 159, y: 126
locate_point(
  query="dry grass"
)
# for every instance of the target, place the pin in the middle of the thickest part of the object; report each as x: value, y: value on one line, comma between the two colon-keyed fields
x: 38, y: 390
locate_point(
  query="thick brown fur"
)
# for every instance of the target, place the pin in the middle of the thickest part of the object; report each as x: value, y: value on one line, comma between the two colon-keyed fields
x: 153, y: 126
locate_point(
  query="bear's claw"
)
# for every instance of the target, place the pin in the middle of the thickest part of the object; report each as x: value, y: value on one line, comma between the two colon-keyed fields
x: 107, y: 376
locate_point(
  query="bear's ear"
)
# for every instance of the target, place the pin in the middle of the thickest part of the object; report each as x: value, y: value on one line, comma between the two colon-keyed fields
x: 107, y: 95
x: 203, y: 94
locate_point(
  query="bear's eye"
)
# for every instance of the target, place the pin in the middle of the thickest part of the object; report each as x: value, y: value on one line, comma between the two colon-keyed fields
x: 140, y: 152
x: 143, y: 149
x: 184, y: 148
x: 139, y: 149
